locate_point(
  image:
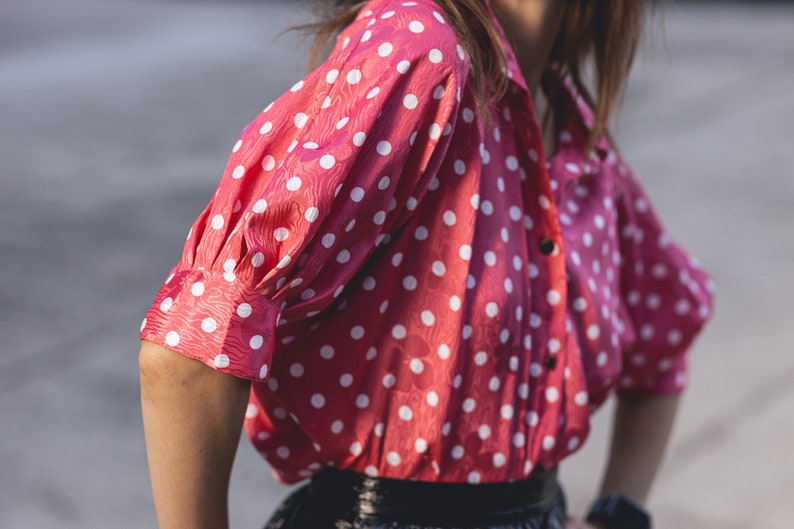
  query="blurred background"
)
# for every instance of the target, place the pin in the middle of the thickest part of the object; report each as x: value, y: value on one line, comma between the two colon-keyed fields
x: 116, y: 117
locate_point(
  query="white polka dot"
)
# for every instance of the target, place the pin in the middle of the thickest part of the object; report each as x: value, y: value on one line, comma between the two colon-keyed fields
x: 332, y: 76
x: 410, y: 101
x: 172, y: 339
x: 499, y: 460
x: 420, y: 445
x: 383, y: 148
x: 385, y: 49
x: 221, y: 361
x: 410, y: 283
x: 581, y: 398
x: 238, y: 172
x: 469, y: 405
x: 405, y: 413
x: 490, y: 258
x: 296, y: 370
x: 294, y: 183
x: 455, y: 303
x: 399, y: 332
x: 343, y: 257
x: 443, y: 351
x: 327, y: 161
x: 432, y: 398
x: 346, y: 380
x: 318, y: 401
x: 549, y: 442
x: 465, y: 252
x: 682, y: 307
x: 435, y: 56
x: 532, y: 418
x: 354, y: 76
x: 268, y: 163
x: 403, y: 66
x: 393, y: 458
x: 544, y: 202
x: 281, y: 234
x: 197, y: 289
x: 512, y: 163
x: 357, y: 332
x: 209, y: 325
x: 260, y: 206
x: 519, y: 439
x: 217, y: 222
x: 356, y: 448
x: 552, y: 394
x: 312, y: 214
x: 434, y: 131
x: 593, y: 332
x: 457, y: 452
x: 494, y: 384
x: 258, y: 259
x: 481, y: 358
x: 421, y: 233
x: 554, y: 345
x: 506, y: 411
x: 416, y: 26
x: 417, y: 366
x: 491, y: 309
x: 300, y: 119
x: 553, y: 297
x: 362, y: 401
x: 282, y: 452
x: 473, y: 477
x: 166, y: 304
x: 266, y: 127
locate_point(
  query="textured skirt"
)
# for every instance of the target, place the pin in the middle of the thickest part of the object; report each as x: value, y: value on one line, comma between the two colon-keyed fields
x: 335, y: 499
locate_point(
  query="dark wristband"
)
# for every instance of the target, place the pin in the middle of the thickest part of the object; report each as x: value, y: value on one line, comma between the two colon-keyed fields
x: 619, y: 512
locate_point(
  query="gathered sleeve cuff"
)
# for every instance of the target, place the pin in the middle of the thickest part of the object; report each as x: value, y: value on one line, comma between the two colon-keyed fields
x: 666, y: 297
x: 216, y: 320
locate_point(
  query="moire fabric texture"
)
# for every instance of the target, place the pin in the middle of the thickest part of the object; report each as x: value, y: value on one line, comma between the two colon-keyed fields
x: 414, y: 293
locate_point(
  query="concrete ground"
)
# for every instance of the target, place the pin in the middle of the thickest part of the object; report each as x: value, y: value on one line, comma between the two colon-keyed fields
x: 115, y: 120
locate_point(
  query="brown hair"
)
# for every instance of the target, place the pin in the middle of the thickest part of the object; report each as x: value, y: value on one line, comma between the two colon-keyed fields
x: 598, y: 34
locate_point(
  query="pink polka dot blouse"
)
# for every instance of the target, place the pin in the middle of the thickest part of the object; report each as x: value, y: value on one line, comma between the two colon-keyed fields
x: 415, y: 294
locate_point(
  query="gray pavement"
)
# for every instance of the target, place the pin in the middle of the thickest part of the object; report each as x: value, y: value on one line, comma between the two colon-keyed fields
x: 115, y: 120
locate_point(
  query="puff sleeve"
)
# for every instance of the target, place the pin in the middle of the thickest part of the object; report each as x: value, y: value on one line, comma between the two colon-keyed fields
x: 316, y: 182
x: 666, y: 296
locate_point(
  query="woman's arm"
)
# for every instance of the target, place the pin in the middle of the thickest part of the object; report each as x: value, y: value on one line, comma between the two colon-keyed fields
x: 192, y: 417
x: 640, y: 435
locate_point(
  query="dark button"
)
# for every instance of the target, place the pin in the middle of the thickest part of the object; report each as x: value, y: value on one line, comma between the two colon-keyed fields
x: 547, y: 246
x: 551, y: 362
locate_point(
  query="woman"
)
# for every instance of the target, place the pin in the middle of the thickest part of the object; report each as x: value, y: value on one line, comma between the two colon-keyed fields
x: 414, y: 289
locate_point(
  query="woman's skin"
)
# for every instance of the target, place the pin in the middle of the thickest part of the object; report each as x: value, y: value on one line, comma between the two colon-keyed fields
x: 193, y: 414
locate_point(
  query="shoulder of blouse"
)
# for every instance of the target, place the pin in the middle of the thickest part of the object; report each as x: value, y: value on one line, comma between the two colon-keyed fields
x: 419, y: 30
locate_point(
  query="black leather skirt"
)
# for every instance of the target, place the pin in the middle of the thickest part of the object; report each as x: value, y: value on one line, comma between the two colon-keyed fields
x: 337, y: 499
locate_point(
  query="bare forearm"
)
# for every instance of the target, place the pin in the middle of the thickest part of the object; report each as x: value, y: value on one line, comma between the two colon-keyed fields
x: 641, y: 433
x: 192, y: 418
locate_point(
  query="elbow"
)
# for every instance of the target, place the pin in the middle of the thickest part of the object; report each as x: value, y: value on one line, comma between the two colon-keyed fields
x: 160, y: 366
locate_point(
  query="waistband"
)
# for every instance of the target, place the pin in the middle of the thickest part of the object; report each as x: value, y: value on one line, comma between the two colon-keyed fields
x: 373, y: 498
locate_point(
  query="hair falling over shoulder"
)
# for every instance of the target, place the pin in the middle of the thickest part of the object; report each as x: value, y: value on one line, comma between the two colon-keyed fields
x: 594, y: 48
